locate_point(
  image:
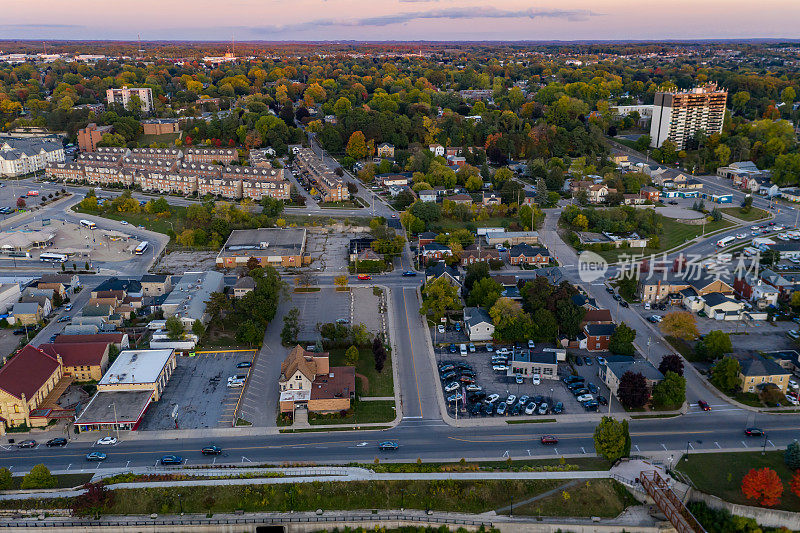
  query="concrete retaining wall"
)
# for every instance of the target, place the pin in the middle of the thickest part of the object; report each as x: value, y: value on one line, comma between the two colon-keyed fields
x: 765, y: 517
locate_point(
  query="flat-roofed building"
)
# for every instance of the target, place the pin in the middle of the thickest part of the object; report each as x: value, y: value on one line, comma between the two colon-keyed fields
x: 160, y: 126
x: 187, y: 300
x: 132, y: 370
x: 678, y: 115
x: 123, y: 97
x: 269, y: 246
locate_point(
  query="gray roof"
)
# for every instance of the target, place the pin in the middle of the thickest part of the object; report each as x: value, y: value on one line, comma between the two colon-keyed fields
x: 265, y: 242
x: 619, y: 364
x: 600, y: 330
x: 713, y: 299
x: 26, y: 308
x: 123, y: 406
x: 15, y: 148
x: 154, y: 278
x: 245, y: 283
x: 756, y: 365
x: 189, y: 296
x: 476, y: 315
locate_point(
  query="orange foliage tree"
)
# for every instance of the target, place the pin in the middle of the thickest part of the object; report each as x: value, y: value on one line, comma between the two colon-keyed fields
x: 764, y: 485
x: 795, y: 483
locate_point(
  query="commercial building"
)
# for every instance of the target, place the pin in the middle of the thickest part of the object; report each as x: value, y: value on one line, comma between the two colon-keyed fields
x: 269, y: 246
x: 617, y: 365
x: 19, y: 156
x: 308, y: 380
x: 136, y: 378
x: 677, y: 116
x: 187, y: 300
x: 538, y: 361
x: 123, y: 96
x: 92, y: 134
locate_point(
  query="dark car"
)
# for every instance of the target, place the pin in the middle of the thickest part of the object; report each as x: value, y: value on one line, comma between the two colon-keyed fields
x: 575, y: 385
x: 244, y: 364
x: 610, y: 290
x: 592, y: 388
x: 58, y: 441
x: 602, y: 400
x: 588, y: 361
x: 171, y: 460
x: 409, y: 273
x: 453, y: 348
x: 64, y: 318
x: 96, y: 456
x: 21, y: 331
x: 623, y: 303
x: 446, y: 368
x: 558, y: 408
x: 501, y: 409
x: 388, y: 446
x: 488, y: 409
x: 466, y: 379
x: 579, y: 361
x: 30, y: 443
x: 754, y: 432
x: 211, y: 450
x: 702, y: 404
x: 475, y: 409
x: 571, y: 379
x: 548, y: 439
x: 448, y: 375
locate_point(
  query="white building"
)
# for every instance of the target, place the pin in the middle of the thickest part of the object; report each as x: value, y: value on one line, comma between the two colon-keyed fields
x: 479, y: 324
x: 677, y: 116
x: 19, y: 156
x: 188, y: 299
x: 123, y: 96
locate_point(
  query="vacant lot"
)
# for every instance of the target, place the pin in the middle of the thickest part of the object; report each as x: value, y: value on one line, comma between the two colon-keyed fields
x: 721, y: 474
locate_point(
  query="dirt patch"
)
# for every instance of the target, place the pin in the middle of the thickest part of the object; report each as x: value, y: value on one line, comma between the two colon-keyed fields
x: 180, y: 262
x: 364, y: 384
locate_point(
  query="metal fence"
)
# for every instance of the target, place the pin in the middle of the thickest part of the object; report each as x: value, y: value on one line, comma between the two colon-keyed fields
x: 243, y: 520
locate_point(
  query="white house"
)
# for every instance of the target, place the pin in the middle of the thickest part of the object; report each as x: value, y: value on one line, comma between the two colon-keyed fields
x: 437, y: 149
x: 479, y: 324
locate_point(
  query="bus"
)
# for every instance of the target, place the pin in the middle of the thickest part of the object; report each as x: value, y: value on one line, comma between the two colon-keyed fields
x: 141, y: 248
x: 725, y: 241
x: 47, y: 257
x: 89, y: 224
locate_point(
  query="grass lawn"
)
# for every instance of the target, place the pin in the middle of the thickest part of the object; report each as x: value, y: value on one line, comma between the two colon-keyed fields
x: 448, y: 224
x: 753, y: 214
x: 147, y: 140
x: 360, y: 413
x: 151, y: 222
x: 378, y: 384
x: 534, y: 465
x: 593, y: 497
x: 64, y: 481
x: 675, y: 234
x: 444, y: 495
x: 721, y: 474
x: 683, y: 347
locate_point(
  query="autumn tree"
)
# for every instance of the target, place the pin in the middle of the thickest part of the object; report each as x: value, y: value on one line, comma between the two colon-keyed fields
x: 680, y: 324
x: 763, y: 485
x: 341, y: 281
x: 632, y: 390
x: 351, y: 356
x: 438, y: 298
x: 794, y: 484
x: 357, y: 146
x: 95, y: 498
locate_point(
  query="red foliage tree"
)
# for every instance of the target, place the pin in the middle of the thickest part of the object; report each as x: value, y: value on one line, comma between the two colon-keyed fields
x: 795, y: 483
x: 764, y: 485
x: 20, y: 202
x: 187, y: 141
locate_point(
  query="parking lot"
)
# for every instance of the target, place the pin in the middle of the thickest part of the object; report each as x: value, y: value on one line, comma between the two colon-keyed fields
x: 328, y: 247
x: 479, y: 366
x: 198, y: 393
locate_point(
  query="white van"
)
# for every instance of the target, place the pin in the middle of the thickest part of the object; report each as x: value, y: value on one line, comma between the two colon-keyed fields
x: 463, y: 350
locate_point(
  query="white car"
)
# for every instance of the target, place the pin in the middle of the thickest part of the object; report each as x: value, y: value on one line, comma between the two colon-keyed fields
x: 500, y: 368
x: 511, y: 400
x: 474, y: 388
x: 536, y: 379
x: 778, y: 228
x: 492, y: 398
x: 755, y: 228
x: 530, y: 408
x: 451, y: 387
x: 123, y: 222
x: 502, y: 351
x: 440, y: 328
x: 585, y: 398
x: 531, y: 345
x: 107, y: 441
x: 741, y: 236
x: 793, y: 385
x: 792, y: 399
x: 543, y: 408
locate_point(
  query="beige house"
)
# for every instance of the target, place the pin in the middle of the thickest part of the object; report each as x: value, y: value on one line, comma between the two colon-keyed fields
x: 307, y: 380
x: 27, y: 381
x: 27, y: 313
x: 756, y: 371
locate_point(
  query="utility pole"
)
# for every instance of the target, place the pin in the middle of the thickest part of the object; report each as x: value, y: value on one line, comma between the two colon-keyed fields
x: 116, y: 423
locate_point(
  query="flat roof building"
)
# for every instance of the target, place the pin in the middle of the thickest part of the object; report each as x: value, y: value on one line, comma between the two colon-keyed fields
x: 139, y: 370
x: 270, y: 246
x: 188, y: 299
x: 677, y: 116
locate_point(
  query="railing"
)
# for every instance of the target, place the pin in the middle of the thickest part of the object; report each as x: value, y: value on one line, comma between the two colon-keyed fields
x: 668, y: 502
x: 20, y: 523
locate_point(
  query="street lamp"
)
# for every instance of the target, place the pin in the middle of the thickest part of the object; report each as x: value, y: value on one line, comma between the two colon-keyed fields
x: 116, y: 423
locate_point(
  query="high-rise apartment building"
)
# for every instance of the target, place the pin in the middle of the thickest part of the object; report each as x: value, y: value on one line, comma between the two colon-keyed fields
x: 677, y: 116
x: 123, y: 96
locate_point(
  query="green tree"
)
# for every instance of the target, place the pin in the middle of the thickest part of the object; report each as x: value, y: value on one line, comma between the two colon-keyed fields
x: 546, y: 325
x: 5, y: 479
x: 438, y: 298
x: 174, y: 327
x: 484, y: 293
x: 248, y: 332
x: 198, y: 328
x: 725, y: 374
x: 621, y: 341
x: 609, y: 439
x: 39, y: 478
x: 351, y: 356
x: 671, y: 391
x: 714, y: 345
x: 791, y: 456
x: 479, y: 271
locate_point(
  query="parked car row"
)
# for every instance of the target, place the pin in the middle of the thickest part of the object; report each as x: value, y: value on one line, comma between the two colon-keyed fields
x: 586, y: 394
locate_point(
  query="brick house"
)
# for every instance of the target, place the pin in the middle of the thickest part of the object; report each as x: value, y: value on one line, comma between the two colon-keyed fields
x: 475, y: 254
x: 524, y: 253
x: 308, y: 380
x: 598, y: 336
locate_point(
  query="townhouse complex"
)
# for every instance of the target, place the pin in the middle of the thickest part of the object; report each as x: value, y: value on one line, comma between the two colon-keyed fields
x: 201, y: 171
x: 20, y: 156
x: 330, y: 186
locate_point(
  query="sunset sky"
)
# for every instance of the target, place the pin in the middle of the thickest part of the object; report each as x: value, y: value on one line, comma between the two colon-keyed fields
x: 274, y: 20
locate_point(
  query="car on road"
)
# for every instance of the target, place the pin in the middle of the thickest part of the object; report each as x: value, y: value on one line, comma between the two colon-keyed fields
x: 171, y: 460
x: 793, y: 334
x: 578, y: 361
x: 58, y: 441
x: 754, y: 432
x: 29, y: 443
x: 123, y: 222
x: 623, y: 303
x: 65, y: 318
x: 409, y: 273
x: 548, y: 439
x: 741, y: 235
x: 364, y: 277
x: 96, y: 456
x: 702, y: 404
x: 68, y: 307
x: 610, y: 290
x: 106, y: 441
x: 588, y: 361
x: 244, y: 364
x: 211, y: 450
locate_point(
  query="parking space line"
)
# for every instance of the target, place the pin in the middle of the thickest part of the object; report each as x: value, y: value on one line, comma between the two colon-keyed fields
x: 717, y: 444
x: 743, y: 444
x: 662, y: 445
x: 770, y: 443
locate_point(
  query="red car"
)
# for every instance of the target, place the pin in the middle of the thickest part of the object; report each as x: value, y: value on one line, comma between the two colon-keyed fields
x: 549, y: 439
x: 703, y: 405
x: 364, y: 276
